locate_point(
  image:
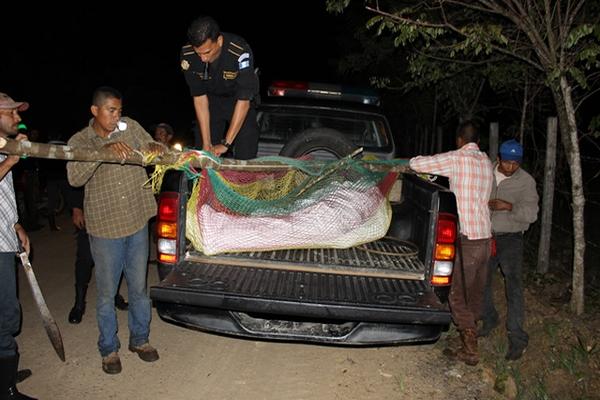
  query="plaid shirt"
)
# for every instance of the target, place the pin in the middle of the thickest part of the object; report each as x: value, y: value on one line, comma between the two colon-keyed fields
x: 8, y: 213
x: 470, y: 173
x: 116, y: 204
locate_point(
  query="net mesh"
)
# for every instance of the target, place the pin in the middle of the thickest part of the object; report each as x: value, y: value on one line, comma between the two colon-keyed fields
x: 337, y: 204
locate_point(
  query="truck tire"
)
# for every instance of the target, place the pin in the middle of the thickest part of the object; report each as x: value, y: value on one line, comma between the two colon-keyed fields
x: 318, y: 139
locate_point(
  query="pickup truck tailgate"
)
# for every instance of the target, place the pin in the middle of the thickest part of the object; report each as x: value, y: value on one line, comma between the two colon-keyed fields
x: 349, y: 284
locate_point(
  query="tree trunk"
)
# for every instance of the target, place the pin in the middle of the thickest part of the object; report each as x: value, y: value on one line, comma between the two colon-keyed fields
x: 570, y: 139
x: 548, y: 198
x: 176, y: 159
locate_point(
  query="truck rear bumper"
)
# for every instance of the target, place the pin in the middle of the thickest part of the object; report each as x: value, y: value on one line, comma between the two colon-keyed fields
x: 304, y: 330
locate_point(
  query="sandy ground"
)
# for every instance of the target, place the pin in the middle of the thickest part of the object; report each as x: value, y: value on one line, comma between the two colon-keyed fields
x: 198, y: 365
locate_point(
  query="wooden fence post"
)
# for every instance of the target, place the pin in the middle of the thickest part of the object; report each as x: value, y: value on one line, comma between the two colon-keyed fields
x: 493, y: 148
x: 548, y: 197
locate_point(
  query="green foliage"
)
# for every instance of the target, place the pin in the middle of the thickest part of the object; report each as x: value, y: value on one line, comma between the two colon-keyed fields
x: 594, y: 126
x: 539, y: 390
x: 579, y: 76
x: 589, y: 56
x: 577, y: 33
x: 437, y: 34
x: 336, y: 6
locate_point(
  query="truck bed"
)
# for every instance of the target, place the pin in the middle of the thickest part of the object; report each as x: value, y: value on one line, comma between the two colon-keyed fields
x: 386, y: 258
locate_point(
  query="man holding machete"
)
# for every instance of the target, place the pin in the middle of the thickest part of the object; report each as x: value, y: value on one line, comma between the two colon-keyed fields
x: 11, y: 232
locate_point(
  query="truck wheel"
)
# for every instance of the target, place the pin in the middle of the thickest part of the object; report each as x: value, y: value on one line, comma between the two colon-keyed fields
x: 318, y: 140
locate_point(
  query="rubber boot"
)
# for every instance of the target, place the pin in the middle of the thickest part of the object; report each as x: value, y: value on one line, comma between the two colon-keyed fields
x: 453, y: 346
x: 8, y: 379
x: 469, y: 352
x: 79, y: 308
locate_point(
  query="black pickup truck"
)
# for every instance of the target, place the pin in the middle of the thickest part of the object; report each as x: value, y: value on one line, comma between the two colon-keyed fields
x: 389, y: 291
x: 395, y: 291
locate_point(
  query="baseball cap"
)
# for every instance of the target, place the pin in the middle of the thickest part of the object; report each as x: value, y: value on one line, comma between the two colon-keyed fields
x: 7, y: 103
x: 511, y: 150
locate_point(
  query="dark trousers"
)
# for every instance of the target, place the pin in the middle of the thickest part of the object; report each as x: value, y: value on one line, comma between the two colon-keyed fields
x: 468, y: 282
x: 245, y: 145
x: 83, y: 261
x: 509, y: 256
x: 10, y: 310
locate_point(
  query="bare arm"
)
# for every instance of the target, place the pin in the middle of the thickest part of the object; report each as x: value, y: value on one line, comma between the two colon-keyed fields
x: 203, y: 118
x: 237, y: 120
x: 23, y: 238
x: 10, y: 161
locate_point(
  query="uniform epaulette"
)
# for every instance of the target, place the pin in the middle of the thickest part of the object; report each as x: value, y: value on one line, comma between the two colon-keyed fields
x: 235, y: 49
x: 187, y: 50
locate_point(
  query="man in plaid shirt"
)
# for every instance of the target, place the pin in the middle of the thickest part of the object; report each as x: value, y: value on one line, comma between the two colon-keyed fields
x: 470, y: 174
x: 117, y: 208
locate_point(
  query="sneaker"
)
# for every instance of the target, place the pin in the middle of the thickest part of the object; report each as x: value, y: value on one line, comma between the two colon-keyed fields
x: 515, y: 352
x: 111, y: 364
x: 145, y: 352
x: 120, y: 303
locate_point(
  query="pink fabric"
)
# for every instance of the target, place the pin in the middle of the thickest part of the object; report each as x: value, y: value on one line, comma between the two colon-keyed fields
x: 341, y: 219
x: 470, y: 174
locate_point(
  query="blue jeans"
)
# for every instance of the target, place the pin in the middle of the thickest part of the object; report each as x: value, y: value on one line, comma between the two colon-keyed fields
x: 509, y: 256
x: 127, y: 255
x: 10, y: 311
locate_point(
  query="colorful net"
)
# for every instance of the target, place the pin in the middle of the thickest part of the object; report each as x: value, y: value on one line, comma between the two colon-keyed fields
x: 337, y: 204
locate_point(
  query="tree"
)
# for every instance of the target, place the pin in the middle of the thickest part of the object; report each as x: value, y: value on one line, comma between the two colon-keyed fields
x: 557, y: 41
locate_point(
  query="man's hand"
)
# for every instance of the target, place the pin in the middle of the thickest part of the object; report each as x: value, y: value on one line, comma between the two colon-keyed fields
x: 500, y: 205
x: 219, y: 149
x: 12, y: 160
x: 157, y: 148
x: 78, y: 218
x: 23, y: 238
x: 121, y: 149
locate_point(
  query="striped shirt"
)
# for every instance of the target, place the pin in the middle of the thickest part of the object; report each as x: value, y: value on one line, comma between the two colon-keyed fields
x: 116, y: 203
x: 470, y: 173
x: 8, y: 214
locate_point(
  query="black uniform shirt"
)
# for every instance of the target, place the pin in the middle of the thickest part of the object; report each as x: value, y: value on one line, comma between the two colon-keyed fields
x: 231, y: 75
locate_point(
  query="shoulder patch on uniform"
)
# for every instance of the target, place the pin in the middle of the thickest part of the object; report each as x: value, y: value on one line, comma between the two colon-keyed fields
x: 185, y: 65
x: 244, y: 61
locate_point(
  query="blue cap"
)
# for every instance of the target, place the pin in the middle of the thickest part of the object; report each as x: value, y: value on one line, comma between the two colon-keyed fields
x: 511, y: 150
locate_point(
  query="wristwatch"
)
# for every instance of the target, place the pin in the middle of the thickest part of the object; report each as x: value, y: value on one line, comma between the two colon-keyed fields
x: 225, y: 143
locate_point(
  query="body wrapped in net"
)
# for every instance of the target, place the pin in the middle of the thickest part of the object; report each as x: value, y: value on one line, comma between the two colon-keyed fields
x: 340, y: 205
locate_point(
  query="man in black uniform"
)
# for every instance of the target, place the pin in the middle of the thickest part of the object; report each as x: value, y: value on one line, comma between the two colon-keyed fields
x: 219, y: 70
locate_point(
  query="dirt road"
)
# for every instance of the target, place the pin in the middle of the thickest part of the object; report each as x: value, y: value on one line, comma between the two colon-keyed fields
x: 198, y: 365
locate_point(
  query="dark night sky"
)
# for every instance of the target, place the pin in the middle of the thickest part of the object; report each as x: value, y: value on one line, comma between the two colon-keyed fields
x: 56, y: 63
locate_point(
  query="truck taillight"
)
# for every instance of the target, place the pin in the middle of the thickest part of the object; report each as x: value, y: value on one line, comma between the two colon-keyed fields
x: 445, y: 250
x: 168, y: 215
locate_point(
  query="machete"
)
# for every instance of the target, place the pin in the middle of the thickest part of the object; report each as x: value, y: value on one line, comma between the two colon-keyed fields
x: 49, y: 323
